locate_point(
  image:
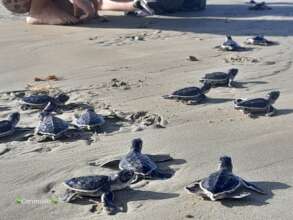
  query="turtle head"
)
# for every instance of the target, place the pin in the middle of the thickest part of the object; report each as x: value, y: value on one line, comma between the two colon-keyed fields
x: 14, y: 118
x: 206, y: 87
x: 228, y: 37
x: 62, y: 98
x: 126, y: 176
x: 136, y: 145
x: 50, y: 107
x: 225, y: 163
x: 232, y: 74
x: 273, y: 96
x: 122, y: 179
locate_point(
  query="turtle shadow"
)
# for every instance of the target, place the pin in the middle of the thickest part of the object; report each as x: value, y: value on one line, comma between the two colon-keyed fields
x: 256, y: 199
x: 242, y: 85
x: 284, y: 112
x: 19, y: 135
x: 218, y: 100
x: 4, y: 108
x: 122, y: 198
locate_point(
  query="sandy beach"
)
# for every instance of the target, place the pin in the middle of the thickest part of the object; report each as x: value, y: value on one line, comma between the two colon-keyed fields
x: 150, y: 55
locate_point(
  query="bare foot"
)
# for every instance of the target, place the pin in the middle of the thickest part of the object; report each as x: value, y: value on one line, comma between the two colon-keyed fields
x: 46, y: 12
x: 88, y: 7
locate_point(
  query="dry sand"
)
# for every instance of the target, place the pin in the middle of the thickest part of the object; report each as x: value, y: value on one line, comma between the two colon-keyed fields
x: 87, y: 57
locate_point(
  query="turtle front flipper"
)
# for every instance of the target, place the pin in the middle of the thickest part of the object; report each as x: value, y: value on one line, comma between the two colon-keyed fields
x: 193, y: 187
x: 271, y: 111
x: 160, y: 158
x: 252, y: 187
x: 138, y: 178
x: 69, y: 196
x: 238, y: 194
x: 168, y: 97
x: 108, y: 202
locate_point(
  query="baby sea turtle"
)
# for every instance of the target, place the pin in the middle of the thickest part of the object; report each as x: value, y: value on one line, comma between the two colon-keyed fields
x: 7, y: 127
x: 50, y: 126
x: 40, y: 101
x: 223, y: 184
x: 258, y: 6
x: 256, y: 106
x: 259, y: 40
x: 17, y: 6
x: 190, y: 95
x: 89, y: 120
x: 98, y: 186
x: 143, y: 166
x: 230, y: 45
x: 220, y: 78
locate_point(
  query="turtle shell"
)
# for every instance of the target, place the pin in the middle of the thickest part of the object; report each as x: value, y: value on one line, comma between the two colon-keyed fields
x: 137, y: 162
x: 88, y: 183
x: 36, y: 100
x: 220, y: 182
x: 17, y: 6
x: 90, y: 118
x: 258, y: 103
x: 51, y: 125
x: 6, y: 128
x: 187, y: 92
x: 217, y: 76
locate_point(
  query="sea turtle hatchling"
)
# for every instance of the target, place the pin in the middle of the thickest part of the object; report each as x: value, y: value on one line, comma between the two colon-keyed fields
x: 220, y: 78
x: 89, y: 120
x: 258, y: 6
x: 259, y: 40
x: 223, y: 184
x: 98, y: 186
x: 190, y: 95
x: 40, y: 101
x: 253, y: 107
x: 7, y: 127
x: 50, y: 126
x: 230, y: 45
x: 143, y: 166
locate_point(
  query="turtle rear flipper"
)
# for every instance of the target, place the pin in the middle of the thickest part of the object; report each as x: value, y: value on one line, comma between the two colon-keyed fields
x: 110, y: 162
x: 253, y: 187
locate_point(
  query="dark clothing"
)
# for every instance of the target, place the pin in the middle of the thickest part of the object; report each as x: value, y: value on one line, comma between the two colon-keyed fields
x: 169, y: 6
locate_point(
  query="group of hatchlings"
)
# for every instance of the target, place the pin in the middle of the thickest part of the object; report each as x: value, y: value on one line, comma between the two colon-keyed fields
x: 135, y: 165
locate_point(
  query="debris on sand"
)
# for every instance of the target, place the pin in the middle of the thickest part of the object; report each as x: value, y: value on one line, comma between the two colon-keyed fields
x: 240, y: 59
x: 48, y: 78
x: 116, y: 83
